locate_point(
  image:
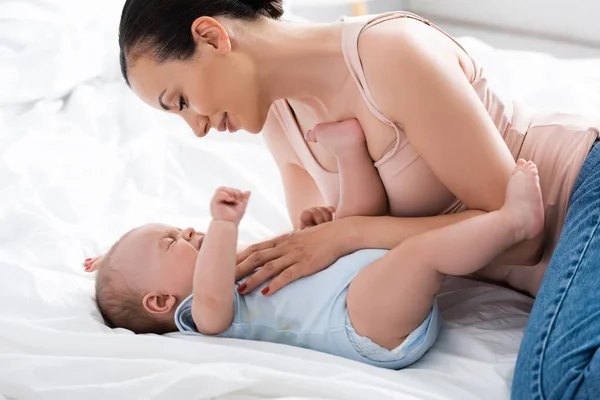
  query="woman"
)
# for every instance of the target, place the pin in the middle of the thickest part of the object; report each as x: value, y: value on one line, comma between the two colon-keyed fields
x: 443, y: 142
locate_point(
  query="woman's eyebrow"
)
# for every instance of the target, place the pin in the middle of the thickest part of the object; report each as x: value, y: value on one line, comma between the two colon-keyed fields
x: 160, y: 101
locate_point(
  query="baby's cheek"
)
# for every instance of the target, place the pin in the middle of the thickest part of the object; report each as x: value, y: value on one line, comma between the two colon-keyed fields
x: 183, y: 274
x: 188, y: 261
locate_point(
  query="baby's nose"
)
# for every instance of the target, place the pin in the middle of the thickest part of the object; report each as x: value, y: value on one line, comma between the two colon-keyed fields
x: 188, y: 233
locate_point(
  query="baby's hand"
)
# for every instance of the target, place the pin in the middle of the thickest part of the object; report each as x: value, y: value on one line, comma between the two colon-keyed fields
x: 315, y: 216
x: 229, y: 204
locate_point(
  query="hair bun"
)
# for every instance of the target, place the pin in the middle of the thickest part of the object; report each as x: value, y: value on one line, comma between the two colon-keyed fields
x: 268, y: 8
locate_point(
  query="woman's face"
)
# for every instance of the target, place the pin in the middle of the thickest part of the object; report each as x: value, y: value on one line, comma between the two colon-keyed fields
x: 217, y: 88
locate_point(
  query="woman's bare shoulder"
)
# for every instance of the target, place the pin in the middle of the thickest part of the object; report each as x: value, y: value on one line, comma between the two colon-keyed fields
x: 403, y: 49
x: 396, y: 37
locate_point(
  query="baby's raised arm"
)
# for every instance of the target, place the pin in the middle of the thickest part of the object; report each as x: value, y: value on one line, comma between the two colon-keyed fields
x: 214, y: 277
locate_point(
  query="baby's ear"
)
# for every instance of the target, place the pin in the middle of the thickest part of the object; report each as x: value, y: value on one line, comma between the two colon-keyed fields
x: 159, y: 303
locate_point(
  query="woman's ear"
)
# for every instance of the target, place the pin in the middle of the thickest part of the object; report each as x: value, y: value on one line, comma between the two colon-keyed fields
x: 159, y: 303
x: 208, y: 31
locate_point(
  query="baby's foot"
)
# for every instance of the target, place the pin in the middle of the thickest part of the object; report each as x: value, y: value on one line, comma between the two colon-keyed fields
x: 524, y: 203
x: 339, y: 137
x: 92, y: 264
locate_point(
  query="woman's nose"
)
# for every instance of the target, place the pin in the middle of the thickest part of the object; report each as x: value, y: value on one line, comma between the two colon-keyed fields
x: 188, y: 234
x: 197, y: 123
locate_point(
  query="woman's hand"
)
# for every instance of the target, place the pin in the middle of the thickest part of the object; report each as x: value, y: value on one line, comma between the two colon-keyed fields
x: 294, y: 255
x: 301, y: 253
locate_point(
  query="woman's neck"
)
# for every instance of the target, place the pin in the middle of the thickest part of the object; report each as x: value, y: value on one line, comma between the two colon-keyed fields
x: 302, y: 62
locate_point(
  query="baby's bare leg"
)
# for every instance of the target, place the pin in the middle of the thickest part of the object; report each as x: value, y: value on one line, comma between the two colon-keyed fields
x: 361, y: 189
x: 391, y: 297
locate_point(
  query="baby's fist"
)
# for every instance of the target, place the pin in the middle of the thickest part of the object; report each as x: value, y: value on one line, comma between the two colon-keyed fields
x: 229, y: 204
x: 316, y: 216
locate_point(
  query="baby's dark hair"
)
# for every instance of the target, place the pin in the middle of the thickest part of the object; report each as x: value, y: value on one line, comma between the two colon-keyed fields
x: 163, y: 27
x: 121, y: 305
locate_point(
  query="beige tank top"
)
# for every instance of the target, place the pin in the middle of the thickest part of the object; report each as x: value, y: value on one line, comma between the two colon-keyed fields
x: 557, y: 143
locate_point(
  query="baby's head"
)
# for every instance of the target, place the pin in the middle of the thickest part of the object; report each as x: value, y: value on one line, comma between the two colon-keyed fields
x: 145, y: 276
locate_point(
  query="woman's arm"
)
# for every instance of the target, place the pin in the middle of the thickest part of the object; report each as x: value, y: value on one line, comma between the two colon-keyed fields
x: 298, y: 254
x: 422, y: 86
x: 442, y: 116
x: 301, y: 191
x: 295, y: 255
x: 389, y: 232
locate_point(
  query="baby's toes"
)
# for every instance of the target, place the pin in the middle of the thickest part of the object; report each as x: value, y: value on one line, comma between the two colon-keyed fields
x: 91, y: 264
x: 532, y: 171
x: 531, y: 168
x: 518, y: 168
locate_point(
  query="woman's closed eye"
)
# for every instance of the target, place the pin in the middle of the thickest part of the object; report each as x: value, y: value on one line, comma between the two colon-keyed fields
x: 181, y: 103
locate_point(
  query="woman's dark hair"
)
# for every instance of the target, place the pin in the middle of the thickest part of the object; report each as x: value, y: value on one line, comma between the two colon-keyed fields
x: 163, y: 27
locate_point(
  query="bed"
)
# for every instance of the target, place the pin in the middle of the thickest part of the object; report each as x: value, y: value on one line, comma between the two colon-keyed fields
x: 82, y: 161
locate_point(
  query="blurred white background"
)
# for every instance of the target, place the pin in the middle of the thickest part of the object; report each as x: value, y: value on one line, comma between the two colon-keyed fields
x: 565, y: 28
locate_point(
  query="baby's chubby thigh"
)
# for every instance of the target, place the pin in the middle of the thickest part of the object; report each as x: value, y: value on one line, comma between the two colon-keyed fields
x: 387, y: 300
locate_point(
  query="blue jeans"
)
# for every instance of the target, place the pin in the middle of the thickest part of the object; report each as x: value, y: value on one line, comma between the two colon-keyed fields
x: 559, y: 356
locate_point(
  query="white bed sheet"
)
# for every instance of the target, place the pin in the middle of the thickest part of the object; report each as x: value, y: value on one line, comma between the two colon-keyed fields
x: 78, y: 170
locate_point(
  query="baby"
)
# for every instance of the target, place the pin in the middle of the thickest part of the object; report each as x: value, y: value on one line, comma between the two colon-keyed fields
x: 374, y: 306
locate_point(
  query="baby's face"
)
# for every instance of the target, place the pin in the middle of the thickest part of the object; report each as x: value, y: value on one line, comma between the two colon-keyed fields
x: 162, y: 258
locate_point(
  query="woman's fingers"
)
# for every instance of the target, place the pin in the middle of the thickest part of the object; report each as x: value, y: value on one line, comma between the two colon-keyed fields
x: 289, y: 257
x: 268, y: 271
x: 287, y: 276
x: 266, y: 244
x: 257, y: 257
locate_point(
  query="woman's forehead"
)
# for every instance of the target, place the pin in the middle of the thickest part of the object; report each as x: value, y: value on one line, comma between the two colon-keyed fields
x: 148, y: 80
